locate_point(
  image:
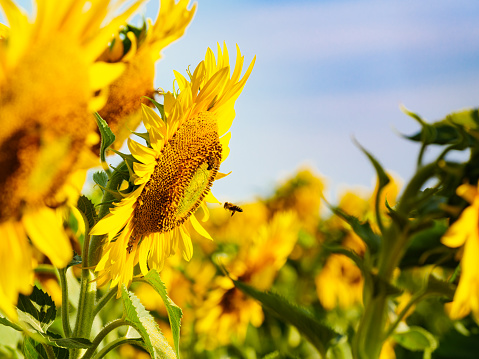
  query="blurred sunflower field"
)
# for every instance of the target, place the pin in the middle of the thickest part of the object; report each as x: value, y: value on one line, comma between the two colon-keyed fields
x: 146, y: 262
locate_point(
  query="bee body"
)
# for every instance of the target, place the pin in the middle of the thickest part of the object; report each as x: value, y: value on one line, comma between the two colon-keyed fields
x: 232, y: 207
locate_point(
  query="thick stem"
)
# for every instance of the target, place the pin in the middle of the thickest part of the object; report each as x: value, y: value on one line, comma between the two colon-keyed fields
x: 103, y: 333
x: 86, y: 303
x: 65, y: 306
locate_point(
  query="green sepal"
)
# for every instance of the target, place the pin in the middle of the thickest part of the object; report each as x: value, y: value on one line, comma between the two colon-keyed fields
x: 416, y: 339
x: 76, y: 260
x: 362, y: 229
x: 319, y: 334
x: 101, y: 179
x: 107, y: 136
x: 160, y: 107
x: 145, y: 136
x: 86, y: 207
x: 174, y: 312
x: 145, y: 325
x: 139, y: 32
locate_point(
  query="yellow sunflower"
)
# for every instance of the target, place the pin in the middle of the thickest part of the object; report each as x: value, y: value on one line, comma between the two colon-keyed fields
x: 174, y: 174
x: 139, y: 49
x: 49, y: 86
x: 465, y: 232
x: 227, y: 311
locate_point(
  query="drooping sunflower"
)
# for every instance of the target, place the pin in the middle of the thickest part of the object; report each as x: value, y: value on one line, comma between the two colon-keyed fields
x: 139, y: 49
x: 172, y: 176
x: 50, y: 83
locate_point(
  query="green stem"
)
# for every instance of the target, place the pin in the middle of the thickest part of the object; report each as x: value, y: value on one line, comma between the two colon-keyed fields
x: 103, y: 333
x: 105, y: 299
x: 49, y: 351
x: 117, y: 343
x: 114, y: 182
x: 65, y: 306
x: 86, y: 303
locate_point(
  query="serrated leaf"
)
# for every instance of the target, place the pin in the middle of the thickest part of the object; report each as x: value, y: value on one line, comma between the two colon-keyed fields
x: 317, y: 333
x: 416, y: 339
x: 174, y: 312
x: 36, y: 310
x: 362, y: 229
x: 73, y: 343
x: 107, y: 136
x: 86, y: 207
x: 35, y: 350
x: 101, y: 179
x: 145, y: 324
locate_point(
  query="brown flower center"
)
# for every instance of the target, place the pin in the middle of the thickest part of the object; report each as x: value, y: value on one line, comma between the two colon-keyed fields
x: 183, y: 176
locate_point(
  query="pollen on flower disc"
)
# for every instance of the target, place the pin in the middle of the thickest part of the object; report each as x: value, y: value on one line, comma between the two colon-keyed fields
x: 182, y: 177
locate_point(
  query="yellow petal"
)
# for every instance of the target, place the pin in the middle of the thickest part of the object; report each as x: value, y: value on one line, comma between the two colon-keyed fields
x: 102, y: 74
x: 225, y: 149
x: 45, y: 229
x: 460, y: 230
x: 199, y: 228
x: 211, y: 199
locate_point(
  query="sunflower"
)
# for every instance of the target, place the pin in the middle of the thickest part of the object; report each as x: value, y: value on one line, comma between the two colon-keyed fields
x: 226, y: 311
x: 464, y: 233
x: 139, y: 49
x: 172, y: 176
x: 49, y: 86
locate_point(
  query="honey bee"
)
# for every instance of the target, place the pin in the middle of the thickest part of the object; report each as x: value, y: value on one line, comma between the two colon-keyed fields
x: 232, y: 207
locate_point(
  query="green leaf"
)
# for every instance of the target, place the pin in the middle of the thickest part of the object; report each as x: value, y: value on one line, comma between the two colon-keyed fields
x: 174, y: 312
x: 73, y: 343
x: 145, y: 324
x: 107, y: 136
x: 86, y: 207
x: 362, y: 229
x: 37, y: 310
x: 317, y: 333
x: 35, y: 350
x: 101, y: 179
x: 416, y: 339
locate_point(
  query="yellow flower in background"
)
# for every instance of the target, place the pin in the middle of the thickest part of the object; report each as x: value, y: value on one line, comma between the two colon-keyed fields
x: 301, y: 193
x: 339, y: 283
x: 49, y: 86
x: 139, y: 49
x: 226, y: 311
x: 465, y: 232
x: 173, y: 176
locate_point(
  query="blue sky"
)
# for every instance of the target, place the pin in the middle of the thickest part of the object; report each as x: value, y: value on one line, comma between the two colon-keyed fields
x: 328, y: 71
